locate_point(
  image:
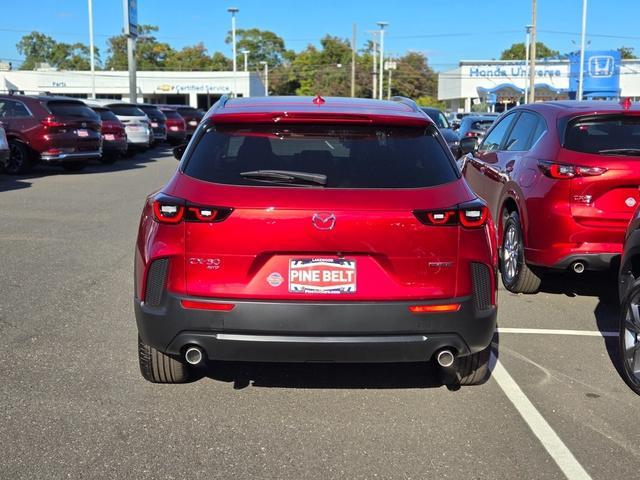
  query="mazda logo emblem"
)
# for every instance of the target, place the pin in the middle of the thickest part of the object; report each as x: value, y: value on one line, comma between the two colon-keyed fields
x: 324, y: 221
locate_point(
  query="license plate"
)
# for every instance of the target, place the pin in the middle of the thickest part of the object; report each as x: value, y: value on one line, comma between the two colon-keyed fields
x: 109, y: 136
x: 82, y: 133
x: 134, y: 128
x: 322, y: 275
x: 193, y: 123
x: 154, y: 124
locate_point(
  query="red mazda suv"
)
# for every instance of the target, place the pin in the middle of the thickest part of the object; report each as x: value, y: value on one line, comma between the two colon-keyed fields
x: 54, y: 130
x: 561, y: 180
x: 309, y: 229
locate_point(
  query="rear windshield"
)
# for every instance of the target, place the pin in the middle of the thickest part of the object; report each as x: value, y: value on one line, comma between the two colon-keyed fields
x: 153, y: 112
x: 481, y: 125
x: 602, y: 134
x: 172, y: 114
x: 349, y: 156
x: 127, y: 110
x: 71, y: 109
x: 192, y: 112
x: 107, y: 115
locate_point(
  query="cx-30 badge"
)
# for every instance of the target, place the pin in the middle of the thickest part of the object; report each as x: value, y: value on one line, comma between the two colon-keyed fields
x: 324, y: 221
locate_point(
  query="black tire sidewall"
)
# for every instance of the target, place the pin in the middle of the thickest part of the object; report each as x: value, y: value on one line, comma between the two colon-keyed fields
x: 512, y: 220
x: 14, y: 146
x: 631, y: 380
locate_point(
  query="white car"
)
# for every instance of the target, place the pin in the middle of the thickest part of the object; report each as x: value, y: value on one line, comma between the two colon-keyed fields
x: 136, y: 122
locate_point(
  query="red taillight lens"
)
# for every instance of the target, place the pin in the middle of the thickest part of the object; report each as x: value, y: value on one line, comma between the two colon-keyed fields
x: 220, y: 307
x: 470, y: 215
x: 471, y: 134
x: 473, y: 217
x: 50, y: 121
x: 173, y: 210
x: 165, y: 212
x: 448, y: 307
x: 562, y: 171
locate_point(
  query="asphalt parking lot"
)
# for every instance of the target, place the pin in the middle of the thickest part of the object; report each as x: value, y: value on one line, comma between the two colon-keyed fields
x: 75, y: 406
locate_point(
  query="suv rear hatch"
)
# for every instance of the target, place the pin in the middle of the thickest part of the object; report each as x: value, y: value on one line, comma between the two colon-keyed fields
x: 71, y: 127
x: 348, y: 230
x: 602, y: 154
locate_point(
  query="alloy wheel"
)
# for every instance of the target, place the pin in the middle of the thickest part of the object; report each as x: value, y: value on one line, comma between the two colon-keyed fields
x: 16, y: 158
x: 630, y: 341
x: 510, y: 252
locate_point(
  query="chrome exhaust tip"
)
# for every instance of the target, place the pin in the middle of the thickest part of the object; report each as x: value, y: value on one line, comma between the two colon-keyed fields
x: 578, y: 267
x: 445, y: 358
x: 193, y: 355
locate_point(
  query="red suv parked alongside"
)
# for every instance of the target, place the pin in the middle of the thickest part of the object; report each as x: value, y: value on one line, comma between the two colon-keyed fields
x: 55, y: 130
x: 190, y: 115
x: 176, y: 127
x: 114, y: 136
x: 302, y: 229
x: 561, y: 179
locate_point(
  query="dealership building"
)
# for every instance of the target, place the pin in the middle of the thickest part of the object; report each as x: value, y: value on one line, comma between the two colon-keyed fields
x: 500, y: 84
x: 199, y: 89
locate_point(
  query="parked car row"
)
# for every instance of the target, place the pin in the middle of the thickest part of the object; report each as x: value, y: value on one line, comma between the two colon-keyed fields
x: 70, y: 132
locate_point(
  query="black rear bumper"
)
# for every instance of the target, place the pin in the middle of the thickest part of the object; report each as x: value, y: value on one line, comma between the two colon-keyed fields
x: 316, y: 331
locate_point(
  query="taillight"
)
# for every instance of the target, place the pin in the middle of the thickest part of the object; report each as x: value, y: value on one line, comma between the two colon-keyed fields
x: 562, y: 171
x: 173, y: 210
x: 471, y: 134
x: 50, y: 122
x: 472, y: 214
x: 444, y: 308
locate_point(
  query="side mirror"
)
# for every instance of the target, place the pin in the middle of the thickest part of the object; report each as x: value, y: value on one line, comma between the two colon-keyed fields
x: 179, y: 151
x: 468, y: 145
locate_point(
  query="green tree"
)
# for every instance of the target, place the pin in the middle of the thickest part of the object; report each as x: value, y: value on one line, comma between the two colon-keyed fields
x: 627, y: 53
x: 220, y: 63
x: 265, y: 46
x: 517, y: 52
x: 192, y: 58
x: 39, y: 48
x: 414, y: 77
x: 36, y: 48
x: 150, y: 54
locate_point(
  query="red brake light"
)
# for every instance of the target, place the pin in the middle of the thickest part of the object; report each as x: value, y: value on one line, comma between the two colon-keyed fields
x: 471, y: 134
x: 167, y: 212
x: 473, y: 217
x: 560, y: 171
x: 50, y: 121
x: 221, y: 307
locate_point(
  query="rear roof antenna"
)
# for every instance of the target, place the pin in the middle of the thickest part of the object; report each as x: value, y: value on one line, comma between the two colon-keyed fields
x: 318, y: 100
x: 626, y: 103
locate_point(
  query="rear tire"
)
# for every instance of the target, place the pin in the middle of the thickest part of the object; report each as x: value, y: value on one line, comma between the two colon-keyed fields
x: 74, y: 166
x: 629, y: 336
x: 20, y: 158
x: 157, y: 367
x: 516, y: 275
x: 108, y: 159
x: 474, y: 369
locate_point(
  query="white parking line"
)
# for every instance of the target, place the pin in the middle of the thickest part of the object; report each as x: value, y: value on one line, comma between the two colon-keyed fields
x: 549, y: 331
x: 539, y: 426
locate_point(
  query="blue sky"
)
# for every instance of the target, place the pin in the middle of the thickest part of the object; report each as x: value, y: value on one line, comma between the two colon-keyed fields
x: 445, y: 30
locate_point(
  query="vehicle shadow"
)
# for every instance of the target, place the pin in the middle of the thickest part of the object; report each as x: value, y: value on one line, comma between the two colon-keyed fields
x: 140, y: 160
x: 378, y: 376
x: 604, y: 286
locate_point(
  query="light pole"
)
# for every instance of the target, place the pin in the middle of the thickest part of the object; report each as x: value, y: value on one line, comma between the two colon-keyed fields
x: 532, y: 69
x: 582, y: 43
x: 266, y: 78
x: 233, y: 11
x: 390, y: 65
x: 381, y: 25
x: 246, y: 56
x: 374, y: 57
x: 526, y: 63
x: 91, y: 52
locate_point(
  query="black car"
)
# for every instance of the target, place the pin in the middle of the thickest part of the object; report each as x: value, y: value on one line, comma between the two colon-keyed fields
x: 451, y: 137
x: 157, y: 119
x: 475, y: 125
x: 629, y: 288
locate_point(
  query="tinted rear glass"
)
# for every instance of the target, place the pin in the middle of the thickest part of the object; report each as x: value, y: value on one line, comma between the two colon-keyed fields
x: 191, y: 112
x: 481, y: 124
x: 153, y: 112
x: 126, y: 110
x: 172, y: 114
x: 71, y: 109
x: 350, y: 156
x: 107, y: 115
x: 594, y: 134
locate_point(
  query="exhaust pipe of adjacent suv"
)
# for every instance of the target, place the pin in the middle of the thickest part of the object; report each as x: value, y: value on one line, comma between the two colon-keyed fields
x: 578, y: 267
x: 445, y: 358
x: 194, y: 355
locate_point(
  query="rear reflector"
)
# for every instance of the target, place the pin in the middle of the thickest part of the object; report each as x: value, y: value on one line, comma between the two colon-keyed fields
x: 220, y: 307
x: 448, y: 307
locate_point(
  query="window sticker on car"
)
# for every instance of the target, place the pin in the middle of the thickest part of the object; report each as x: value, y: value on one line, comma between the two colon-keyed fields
x: 322, y: 275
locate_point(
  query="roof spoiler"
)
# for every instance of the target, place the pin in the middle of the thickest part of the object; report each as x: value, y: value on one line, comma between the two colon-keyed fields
x: 407, y: 101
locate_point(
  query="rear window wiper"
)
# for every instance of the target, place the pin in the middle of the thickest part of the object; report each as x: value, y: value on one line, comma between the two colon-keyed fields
x: 286, y: 177
x: 621, y: 151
